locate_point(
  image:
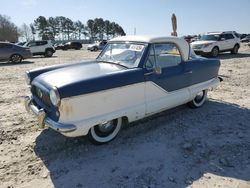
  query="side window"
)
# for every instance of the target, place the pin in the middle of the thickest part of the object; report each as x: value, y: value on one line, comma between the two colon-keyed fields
x: 167, y: 55
x: 222, y: 36
x: 31, y: 44
x: 43, y: 43
x: 150, y: 63
x: 229, y: 36
x: 38, y: 43
x: 5, y: 45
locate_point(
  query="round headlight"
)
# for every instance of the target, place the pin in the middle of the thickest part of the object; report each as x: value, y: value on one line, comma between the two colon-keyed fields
x: 54, y: 97
x: 27, y: 78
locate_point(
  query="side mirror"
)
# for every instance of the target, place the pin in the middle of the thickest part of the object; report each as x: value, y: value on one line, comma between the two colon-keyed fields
x: 157, y: 70
x: 222, y: 39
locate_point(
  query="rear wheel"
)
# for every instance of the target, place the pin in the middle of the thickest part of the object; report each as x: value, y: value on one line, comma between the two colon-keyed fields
x: 105, y: 132
x: 16, y: 58
x: 215, y: 52
x: 199, y: 99
x: 235, y: 49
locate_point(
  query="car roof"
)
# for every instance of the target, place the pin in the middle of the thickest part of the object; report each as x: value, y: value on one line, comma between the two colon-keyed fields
x: 218, y: 33
x: 213, y: 33
x: 181, y: 43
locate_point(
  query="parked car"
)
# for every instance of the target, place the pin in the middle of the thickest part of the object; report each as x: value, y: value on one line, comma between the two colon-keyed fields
x: 97, y: 46
x: 246, y: 39
x: 13, y: 53
x: 42, y: 47
x: 72, y: 45
x: 242, y: 36
x: 59, y: 46
x: 132, y: 78
x: 216, y: 42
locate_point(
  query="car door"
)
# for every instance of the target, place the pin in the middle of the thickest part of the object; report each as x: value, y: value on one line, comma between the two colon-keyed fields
x: 222, y: 43
x: 33, y: 47
x: 41, y: 46
x: 6, y: 51
x: 230, y: 41
x: 165, y: 87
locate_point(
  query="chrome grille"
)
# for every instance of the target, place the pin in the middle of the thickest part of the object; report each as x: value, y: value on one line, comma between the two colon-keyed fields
x: 41, y: 95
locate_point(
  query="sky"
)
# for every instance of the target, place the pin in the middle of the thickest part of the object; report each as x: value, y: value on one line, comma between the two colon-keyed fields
x: 149, y: 17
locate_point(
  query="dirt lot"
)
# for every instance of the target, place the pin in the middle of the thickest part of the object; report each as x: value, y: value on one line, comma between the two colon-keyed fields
x: 206, y: 147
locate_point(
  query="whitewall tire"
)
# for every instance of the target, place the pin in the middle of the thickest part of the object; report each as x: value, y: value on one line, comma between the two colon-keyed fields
x: 199, y: 99
x: 105, y: 132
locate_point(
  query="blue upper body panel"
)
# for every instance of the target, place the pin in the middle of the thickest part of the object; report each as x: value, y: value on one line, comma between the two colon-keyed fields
x: 83, y: 78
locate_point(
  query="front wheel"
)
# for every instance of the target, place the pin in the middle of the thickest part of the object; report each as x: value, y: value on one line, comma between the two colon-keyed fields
x: 105, y: 132
x: 215, y: 52
x: 199, y: 99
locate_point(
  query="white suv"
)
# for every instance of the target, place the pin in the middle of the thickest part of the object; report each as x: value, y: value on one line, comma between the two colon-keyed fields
x: 42, y: 47
x: 216, y: 42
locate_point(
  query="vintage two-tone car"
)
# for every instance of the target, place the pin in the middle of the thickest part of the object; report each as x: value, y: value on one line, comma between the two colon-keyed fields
x: 132, y: 78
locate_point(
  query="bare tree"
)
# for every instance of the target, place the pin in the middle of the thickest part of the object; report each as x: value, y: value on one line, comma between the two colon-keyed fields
x: 33, y: 30
x: 8, y: 30
x: 26, y: 32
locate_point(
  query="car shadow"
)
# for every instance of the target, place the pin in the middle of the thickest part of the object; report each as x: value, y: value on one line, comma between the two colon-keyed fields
x: 232, y: 56
x: 6, y: 64
x: 172, y: 149
x: 38, y: 57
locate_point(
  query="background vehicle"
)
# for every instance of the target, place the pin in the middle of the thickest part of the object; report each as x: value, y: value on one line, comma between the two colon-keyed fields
x: 72, y: 45
x: 13, y: 53
x: 246, y: 39
x: 42, y: 47
x: 97, y: 46
x: 59, y: 46
x: 216, y: 42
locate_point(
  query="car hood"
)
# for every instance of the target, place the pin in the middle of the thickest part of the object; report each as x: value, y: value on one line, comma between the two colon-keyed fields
x: 88, y: 77
x: 202, y: 42
x: 75, y: 73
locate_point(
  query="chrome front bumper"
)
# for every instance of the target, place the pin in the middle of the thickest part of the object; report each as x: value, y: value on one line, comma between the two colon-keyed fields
x: 44, y: 120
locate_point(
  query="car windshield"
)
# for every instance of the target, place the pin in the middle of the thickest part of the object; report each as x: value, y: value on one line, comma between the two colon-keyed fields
x: 125, y: 54
x: 210, y: 37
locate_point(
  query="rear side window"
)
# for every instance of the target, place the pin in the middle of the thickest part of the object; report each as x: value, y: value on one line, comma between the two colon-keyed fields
x: 40, y: 43
x: 167, y: 55
x: 5, y: 45
x: 229, y: 36
x: 31, y: 44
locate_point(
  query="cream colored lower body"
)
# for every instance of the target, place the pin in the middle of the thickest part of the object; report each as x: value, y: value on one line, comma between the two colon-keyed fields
x: 134, y: 102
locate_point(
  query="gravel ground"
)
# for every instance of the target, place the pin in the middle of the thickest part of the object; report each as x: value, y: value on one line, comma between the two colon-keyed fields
x: 181, y: 147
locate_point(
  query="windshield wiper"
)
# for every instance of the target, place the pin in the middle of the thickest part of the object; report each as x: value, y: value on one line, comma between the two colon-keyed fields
x: 114, y: 63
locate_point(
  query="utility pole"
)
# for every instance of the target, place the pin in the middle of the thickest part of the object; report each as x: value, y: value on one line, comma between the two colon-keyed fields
x: 135, y: 31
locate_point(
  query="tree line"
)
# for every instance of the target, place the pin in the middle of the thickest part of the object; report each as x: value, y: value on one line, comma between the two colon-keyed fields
x: 8, y: 30
x: 59, y: 28
x: 63, y: 28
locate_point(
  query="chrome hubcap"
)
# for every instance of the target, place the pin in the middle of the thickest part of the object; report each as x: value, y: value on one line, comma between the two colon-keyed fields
x: 199, y: 96
x: 106, y: 126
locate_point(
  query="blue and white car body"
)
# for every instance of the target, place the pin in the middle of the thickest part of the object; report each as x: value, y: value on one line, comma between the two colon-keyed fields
x: 132, y: 78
